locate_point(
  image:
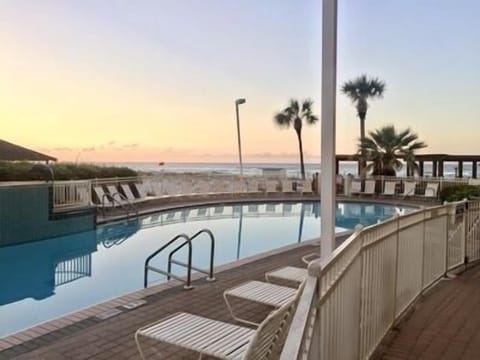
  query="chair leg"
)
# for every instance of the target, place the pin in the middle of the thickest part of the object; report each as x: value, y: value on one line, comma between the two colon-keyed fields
x: 137, y: 341
x: 234, y: 316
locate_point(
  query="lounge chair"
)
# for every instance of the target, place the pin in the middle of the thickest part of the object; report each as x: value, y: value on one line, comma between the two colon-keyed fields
x: 271, y: 186
x: 389, y: 188
x: 474, y: 182
x: 223, y: 340
x: 431, y: 190
x: 128, y: 192
x: 287, y: 275
x: 116, y: 197
x: 239, y: 186
x: 291, y: 275
x: 409, y: 188
x: 103, y: 197
x: 259, y: 292
x: 287, y: 186
x: 140, y: 190
x: 252, y: 186
x: 306, y: 186
x: 356, y: 187
x: 369, y: 188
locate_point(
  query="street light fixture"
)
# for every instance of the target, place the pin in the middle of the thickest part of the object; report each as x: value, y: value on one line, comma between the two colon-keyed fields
x: 237, y: 103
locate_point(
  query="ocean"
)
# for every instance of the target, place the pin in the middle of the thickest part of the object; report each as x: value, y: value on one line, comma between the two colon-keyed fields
x: 249, y: 169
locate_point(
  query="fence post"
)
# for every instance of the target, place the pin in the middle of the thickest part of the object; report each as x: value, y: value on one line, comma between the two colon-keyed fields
x: 422, y: 282
x: 397, y: 240
x: 358, y: 230
x: 315, y: 269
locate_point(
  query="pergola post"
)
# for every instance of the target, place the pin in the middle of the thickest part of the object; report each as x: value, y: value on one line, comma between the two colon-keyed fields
x: 440, y: 168
x: 420, y: 168
x: 460, y: 168
x: 434, y: 168
x: 328, y: 106
x: 474, y: 169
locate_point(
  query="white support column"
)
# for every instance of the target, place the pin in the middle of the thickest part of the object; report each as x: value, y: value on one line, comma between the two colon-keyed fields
x: 329, y: 89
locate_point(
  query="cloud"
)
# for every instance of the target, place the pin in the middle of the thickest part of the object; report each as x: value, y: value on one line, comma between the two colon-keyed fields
x: 130, y: 146
x: 88, y: 149
x: 62, y: 148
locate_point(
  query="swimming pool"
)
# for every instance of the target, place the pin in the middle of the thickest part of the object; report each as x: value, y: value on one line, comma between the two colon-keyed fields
x: 47, y: 279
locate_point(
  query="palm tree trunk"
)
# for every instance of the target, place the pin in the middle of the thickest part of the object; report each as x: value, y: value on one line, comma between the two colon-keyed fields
x: 363, y: 162
x: 300, y: 145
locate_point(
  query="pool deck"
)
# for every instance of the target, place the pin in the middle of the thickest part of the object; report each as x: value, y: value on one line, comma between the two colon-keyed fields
x: 92, y: 334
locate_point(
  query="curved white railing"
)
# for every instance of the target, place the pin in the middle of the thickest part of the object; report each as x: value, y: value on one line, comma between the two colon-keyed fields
x: 353, y: 298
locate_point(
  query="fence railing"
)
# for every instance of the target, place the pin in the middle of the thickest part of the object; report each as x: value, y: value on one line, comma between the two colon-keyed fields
x: 422, y: 184
x: 365, y: 286
x: 71, y: 193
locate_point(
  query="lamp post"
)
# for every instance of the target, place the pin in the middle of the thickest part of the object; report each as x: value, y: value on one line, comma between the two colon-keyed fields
x: 237, y: 103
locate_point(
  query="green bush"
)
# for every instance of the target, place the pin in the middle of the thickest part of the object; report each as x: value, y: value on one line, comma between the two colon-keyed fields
x: 459, y: 192
x: 25, y: 171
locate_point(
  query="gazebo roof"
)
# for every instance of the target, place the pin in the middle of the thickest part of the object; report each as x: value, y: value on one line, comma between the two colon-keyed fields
x: 12, y: 152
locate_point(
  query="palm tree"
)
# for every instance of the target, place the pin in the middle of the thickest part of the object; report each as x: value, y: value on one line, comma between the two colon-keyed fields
x: 360, y: 90
x: 385, y: 147
x: 295, y: 116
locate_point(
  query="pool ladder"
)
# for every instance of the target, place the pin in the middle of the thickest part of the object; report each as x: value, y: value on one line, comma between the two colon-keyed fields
x: 187, y: 241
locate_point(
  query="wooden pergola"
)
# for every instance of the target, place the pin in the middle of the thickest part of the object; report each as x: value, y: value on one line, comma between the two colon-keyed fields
x: 12, y: 152
x: 438, y: 163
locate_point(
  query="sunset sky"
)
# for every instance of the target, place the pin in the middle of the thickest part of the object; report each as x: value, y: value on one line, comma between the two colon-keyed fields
x: 156, y: 80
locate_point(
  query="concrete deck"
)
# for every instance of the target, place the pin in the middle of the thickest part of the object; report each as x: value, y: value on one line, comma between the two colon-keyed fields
x: 445, y: 323
x: 85, y: 336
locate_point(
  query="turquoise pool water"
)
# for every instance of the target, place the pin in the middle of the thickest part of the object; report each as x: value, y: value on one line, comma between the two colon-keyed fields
x: 47, y: 279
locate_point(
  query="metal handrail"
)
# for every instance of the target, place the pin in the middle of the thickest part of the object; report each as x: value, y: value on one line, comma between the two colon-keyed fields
x: 189, y: 271
x: 212, y: 253
x: 123, y: 200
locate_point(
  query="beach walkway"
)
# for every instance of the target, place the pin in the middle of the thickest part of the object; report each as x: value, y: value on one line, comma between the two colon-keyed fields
x: 445, y: 323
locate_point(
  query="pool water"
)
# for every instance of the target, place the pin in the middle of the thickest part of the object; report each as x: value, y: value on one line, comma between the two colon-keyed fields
x: 47, y: 279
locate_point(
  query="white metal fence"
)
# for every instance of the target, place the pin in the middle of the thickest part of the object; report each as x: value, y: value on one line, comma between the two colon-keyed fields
x: 370, y: 280
x: 71, y: 193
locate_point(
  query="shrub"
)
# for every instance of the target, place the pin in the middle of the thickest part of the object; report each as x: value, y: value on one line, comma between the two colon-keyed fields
x: 25, y: 171
x: 459, y: 192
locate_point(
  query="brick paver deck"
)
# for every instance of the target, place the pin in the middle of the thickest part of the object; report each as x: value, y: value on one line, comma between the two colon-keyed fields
x: 113, y: 338
x: 445, y: 324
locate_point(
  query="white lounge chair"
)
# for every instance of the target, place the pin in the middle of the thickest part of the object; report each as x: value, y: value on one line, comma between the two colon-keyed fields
x: 287, y: 186
x: 409, y: 188
x: 259, y: 292
x: 474, y: 182
x: 141, y: 190
x: 291, y: 275
x: 116, y: 196
x: 252, y: 186
x: 271, y: 186
x: 356, y: 187
x: 287, y: 275
x: 239, y: 186
x: 222, y: 340
x: 389, y: 188
x: 103, y: 197
x: 306, y: 186
x: 369, y: 188
x: 128, y: 192
x: 431, y: 190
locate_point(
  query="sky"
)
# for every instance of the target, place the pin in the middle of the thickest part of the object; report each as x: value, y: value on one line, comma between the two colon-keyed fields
x: 156, y: 80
